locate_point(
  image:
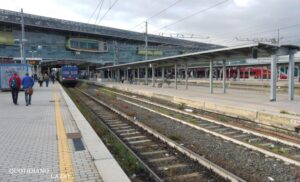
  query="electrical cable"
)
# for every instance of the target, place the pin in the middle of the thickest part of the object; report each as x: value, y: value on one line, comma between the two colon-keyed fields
x: 156, y: 14
x: 194, y: 14
x: 94, y: 11
x: 108, y: 11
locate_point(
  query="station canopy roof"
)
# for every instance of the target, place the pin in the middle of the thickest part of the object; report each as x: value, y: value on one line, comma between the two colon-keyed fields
x: 204, y: 57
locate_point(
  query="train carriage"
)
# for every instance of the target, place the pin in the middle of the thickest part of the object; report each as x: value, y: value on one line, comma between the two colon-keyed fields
x: 68, y: 75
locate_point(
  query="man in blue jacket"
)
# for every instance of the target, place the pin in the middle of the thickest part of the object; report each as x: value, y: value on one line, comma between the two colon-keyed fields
x: 27, y: 83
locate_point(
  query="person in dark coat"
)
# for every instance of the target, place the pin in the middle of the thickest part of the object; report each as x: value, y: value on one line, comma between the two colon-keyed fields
x: 14, y: 83
x: 27, y: 83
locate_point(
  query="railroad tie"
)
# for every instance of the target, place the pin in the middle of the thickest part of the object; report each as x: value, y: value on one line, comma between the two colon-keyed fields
x: 139, y: 141
x: 184, y: 176
x: 134, y: 137
x: 162, y: 159
x: 115, y: 125
x: 127, y: 130
x: 172, y: 166
x: 154, y: 152
x: 128, y: 133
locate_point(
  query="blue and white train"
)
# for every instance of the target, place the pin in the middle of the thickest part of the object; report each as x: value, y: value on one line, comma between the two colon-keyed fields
x: 68, y: 75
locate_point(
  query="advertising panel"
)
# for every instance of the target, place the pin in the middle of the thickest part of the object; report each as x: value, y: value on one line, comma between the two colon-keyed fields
x: 6, y: 38
x: 7, y: 70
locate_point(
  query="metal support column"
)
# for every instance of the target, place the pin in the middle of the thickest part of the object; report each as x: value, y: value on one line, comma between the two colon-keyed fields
x: 88, y: 72
x: 138, y: 75
x: 146, y: 75
x: 224, y: 76
x: 186, y: 76
x: 127, y: 74
x: 153, y: 76
x: 249, y: 73
x: 133, y: 75
x: 110, y: 75
x: 22, y: 43
x: 298, y: 73
x: 163, y: 73
x: 262, y: 73
x: 273, y: 77
x: 175, y: 71
x: 291, y: 74
x: 211, y: 76
x: 238, y: 73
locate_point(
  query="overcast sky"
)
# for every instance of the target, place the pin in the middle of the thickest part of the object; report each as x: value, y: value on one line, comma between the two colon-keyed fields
x: 222, y: 24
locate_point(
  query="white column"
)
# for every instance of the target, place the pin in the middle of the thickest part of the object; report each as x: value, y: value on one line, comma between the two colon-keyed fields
x: 186, y: 76
x: 138, y: 75
x: 175, y: 71
x: 273, y: 77
x: 249, y: 73
x: 119, y: 75
x: 153, y: 76
x: 163, y: 73
x: 224, y: 76
x: 133, y: 75
x: 298, y: 67
x: 146, y: 75
x: 291, y: 74
x: 211, y: 76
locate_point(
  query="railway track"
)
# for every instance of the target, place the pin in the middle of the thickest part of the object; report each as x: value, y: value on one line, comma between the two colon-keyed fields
x: 279, y: 148
x: 164, y: 159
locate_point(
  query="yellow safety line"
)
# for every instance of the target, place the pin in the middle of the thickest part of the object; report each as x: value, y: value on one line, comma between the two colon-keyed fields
x: 66, y: 173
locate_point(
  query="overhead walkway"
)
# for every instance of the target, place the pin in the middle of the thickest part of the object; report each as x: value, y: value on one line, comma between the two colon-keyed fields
x: 50, y: 140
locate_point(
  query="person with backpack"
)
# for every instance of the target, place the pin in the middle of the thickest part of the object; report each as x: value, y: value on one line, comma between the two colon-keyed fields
x: 28, y: 83
x: 14, y: 83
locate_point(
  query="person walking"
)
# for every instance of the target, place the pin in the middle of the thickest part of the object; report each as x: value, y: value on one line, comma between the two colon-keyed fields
x: 46, y: 78
x: 27, y: 83
x: 53, y: 78
x: 40, y: 80
x: 14, y: 83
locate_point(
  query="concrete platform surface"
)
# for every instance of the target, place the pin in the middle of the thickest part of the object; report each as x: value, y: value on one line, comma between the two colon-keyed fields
x: 38, y: 141
x: 248, y: 104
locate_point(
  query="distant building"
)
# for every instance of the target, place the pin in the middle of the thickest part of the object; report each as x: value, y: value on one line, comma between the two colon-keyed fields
x: 61, y: 40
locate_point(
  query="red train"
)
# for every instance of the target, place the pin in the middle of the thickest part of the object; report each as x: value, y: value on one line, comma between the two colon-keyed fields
x: 255, y: 72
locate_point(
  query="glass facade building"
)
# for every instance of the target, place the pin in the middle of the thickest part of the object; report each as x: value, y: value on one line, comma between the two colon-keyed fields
x: 56, y: 39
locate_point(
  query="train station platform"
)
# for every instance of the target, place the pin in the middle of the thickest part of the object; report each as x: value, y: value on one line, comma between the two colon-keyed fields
x: 50, y: 140
x: 248, y: 104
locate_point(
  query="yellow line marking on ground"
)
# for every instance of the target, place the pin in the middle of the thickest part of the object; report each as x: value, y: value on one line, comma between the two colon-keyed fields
x: 66, y: 173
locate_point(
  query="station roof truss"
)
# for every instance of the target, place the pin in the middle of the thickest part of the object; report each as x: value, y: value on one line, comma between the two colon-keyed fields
x: 204, y: 57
